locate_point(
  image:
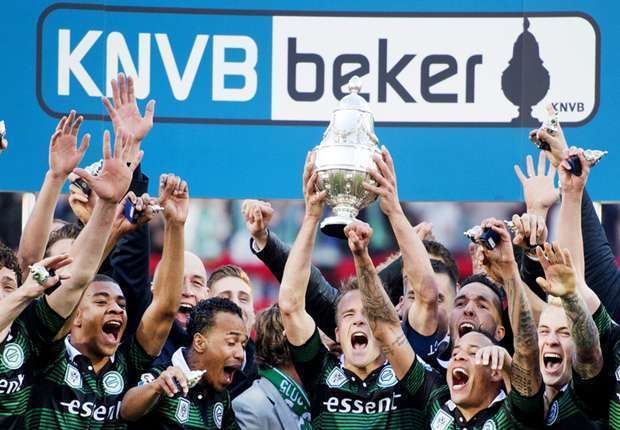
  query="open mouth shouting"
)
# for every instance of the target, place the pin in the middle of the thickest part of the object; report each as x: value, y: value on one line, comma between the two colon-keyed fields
x: 112, y: 331
x: 460, y: 377
x: 185, y: 308
x: 465, y: 327
x: 552, y: 362
x: 229, y: 372
x: 183, y: 313
x: 359, y: 341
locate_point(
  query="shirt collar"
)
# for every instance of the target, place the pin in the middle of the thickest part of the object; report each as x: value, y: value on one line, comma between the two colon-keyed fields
x: 501, y: 396
x: 178, y: 359
x: 73, y: 352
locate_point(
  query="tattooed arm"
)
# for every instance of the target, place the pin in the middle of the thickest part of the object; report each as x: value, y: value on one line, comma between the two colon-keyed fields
x: 525, y: 375
x: 561, y: 281
x: 380, y: 311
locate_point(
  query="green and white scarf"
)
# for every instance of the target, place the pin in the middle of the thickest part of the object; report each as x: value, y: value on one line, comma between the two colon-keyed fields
x: 294, y: 396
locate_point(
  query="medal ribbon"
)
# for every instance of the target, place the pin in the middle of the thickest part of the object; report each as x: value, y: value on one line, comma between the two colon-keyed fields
x: 292, y: 393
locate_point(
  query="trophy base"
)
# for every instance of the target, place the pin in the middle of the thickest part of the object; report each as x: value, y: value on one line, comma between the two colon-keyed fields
x: 334, y: 226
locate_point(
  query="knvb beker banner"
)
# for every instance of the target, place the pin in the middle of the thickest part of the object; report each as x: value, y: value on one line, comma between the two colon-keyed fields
x: 242, y: 94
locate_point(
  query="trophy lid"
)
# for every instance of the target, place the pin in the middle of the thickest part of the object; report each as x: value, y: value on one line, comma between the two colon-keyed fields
x: 353, y: 100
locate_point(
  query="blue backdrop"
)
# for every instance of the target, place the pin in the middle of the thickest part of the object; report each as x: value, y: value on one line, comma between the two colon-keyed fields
x: 238, y: 130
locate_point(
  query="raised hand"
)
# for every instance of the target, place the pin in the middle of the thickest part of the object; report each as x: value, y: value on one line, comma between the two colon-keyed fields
x: 124, y: 112
x: 424, y: 230
x: 169, y: 382
x: 539, y: 191
x: 358, y: 234
x: 495, y: 357
x: 174, y: 198
x: 557, y: 143
x: 64, y: 155
x: 498, y: 262
x: 531, y: 230
x: 313, y: 198
x: 81, y: 204
x: 386, y: 187
x: 561, y: 279
x: 257, y: 215
x: 570, y: 183
x: 143, y: 204
x: 34, y: 288
x: 113, y: 181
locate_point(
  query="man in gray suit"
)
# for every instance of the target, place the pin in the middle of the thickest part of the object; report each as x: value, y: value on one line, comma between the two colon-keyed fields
x: 276, y: 400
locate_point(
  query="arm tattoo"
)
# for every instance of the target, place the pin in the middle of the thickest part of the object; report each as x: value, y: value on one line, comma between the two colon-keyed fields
x: 589, y: 358
x: 376, y: 301
x: 387, y: 350
x: 526, y: 378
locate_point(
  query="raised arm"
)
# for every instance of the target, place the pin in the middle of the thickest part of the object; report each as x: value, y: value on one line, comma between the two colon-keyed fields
x: 382, y: 316
x: 168, y: 283
x: 267, y: 246
x: 298, y: 324
x: 424, y: 312
x: 12, y: 305
x: 539, y: 194
x: 561, y: 281
x: 110, y: 186
x: 141, y: 399
x: 569, y: 225
x: 64, y: 156
x: 525, y: 375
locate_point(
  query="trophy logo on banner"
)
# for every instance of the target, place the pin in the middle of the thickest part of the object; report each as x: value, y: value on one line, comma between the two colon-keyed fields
x: 525, y: 81
x: 343, y: 159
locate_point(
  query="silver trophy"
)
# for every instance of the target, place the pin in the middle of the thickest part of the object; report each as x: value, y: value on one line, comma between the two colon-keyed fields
x: 344, y: 158
x: 552, y: 126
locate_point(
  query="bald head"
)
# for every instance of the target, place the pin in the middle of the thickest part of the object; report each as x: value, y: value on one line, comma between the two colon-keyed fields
x: 194, y: 286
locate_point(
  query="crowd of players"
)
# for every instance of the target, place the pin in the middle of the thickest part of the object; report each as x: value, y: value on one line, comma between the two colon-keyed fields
x: 88, y: 341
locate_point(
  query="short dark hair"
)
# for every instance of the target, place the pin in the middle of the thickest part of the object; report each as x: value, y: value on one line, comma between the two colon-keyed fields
x: 67, y: 231
x: 444, y: 254
x: 271, y: 345
x: 228, y: 271
x: 439, y: 267
x: 506, y: 342
x: 8, y: 259
x: 100, y: 277
x: 203, y: 315
x: 497, y: 289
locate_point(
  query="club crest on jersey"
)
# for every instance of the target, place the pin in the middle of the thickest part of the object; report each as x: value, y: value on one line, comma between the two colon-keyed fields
x: 387, y: 378
x: 218, y: 413
x: 73, y: 377
x: 489, y: 425
x: 182, y: 413
x: 553, y: 413
x: 146, y: 378
x: 113, y: 383
x: 441, y: 421
x: 336, y: 378
x: 13, y: 356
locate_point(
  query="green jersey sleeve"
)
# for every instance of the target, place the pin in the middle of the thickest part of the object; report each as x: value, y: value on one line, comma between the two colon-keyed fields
x: 138, y: 361
x: 588, y: 395
x: 528, y: 412
x: 309, y: 359
x: 421, y: 383
x: 42, y: 323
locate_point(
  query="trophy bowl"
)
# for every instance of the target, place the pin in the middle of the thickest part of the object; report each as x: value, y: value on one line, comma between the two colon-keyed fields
x: 344, y: 158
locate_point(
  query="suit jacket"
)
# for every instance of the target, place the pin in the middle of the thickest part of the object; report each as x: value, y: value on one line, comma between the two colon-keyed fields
x: 262, y: 407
